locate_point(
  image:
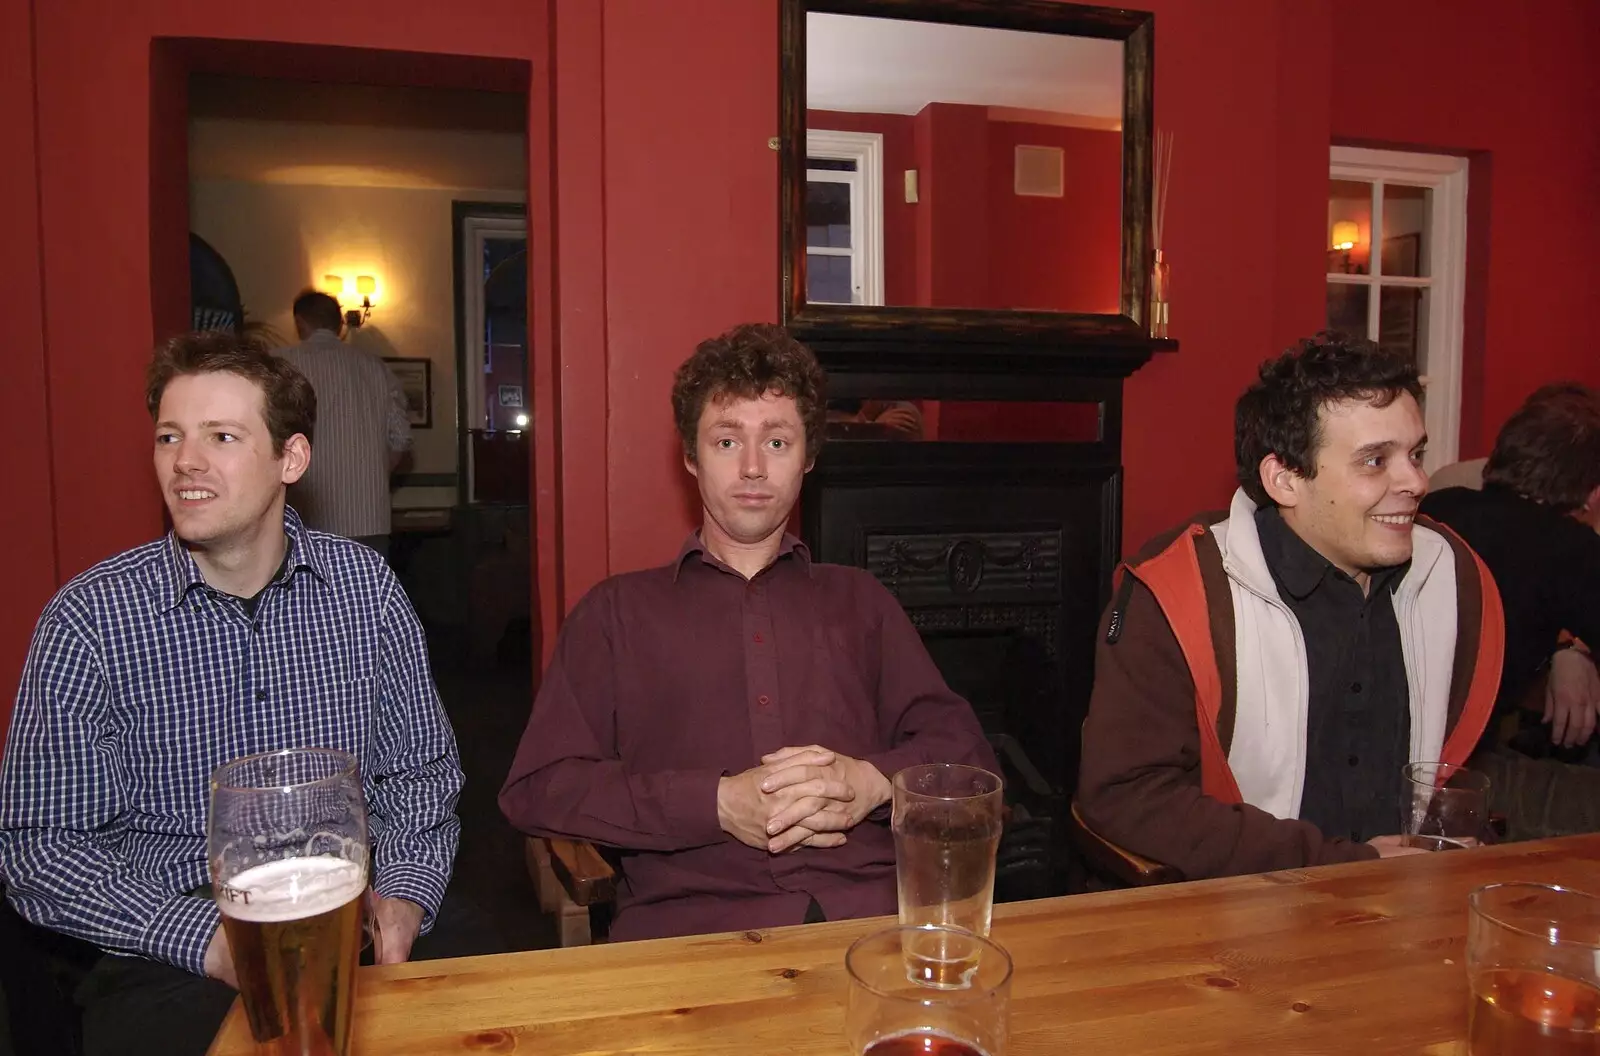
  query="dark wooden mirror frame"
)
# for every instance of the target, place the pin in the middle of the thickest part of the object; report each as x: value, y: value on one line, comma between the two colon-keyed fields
x: 854, y: 323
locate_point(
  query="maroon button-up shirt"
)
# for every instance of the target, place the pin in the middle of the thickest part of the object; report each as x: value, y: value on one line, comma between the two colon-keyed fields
x: 666, y: 680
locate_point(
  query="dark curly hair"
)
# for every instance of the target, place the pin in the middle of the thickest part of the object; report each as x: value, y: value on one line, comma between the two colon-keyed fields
x: 1549, y: 449
x: 748, y: 362
x: 288, y: 403
x: 1280, y: 413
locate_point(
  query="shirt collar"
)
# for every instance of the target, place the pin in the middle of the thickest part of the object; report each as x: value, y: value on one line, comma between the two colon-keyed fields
x: 179, y: 573
x: 692, y: 546
x: 1298, y: 568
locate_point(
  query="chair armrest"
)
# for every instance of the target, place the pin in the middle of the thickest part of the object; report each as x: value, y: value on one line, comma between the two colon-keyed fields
x: 1118, y: 862
x: 587, y: 878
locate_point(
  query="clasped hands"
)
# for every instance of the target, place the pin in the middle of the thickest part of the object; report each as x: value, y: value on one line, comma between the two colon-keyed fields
x: 799, y: 797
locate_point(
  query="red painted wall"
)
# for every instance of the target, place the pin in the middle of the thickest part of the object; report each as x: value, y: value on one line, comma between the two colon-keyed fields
x: 651, y: 171
x: 1065, y: 253
x: 691, y: 233
x: 27, y: 527
x: 1051, y: 253
x: 1520, y: 83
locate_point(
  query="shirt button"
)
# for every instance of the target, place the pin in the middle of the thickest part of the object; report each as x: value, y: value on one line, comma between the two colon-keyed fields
x: 1354, y: 760
x: 756, y: 639
x: 1355, y: 687
x: 261, y: 694
x: 762, y: 700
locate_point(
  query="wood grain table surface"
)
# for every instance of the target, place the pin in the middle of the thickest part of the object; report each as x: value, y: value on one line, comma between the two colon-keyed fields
x: 1353, y: 960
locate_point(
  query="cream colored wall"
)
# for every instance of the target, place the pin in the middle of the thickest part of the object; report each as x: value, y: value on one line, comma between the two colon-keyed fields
x: 281, y: 237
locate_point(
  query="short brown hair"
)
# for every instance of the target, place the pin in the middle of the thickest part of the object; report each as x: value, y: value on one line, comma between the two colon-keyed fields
x: 748, y: 362
x: 1549, y: 450
x: 1281, y: 414
x: 288, y: 403
x: 318, y: 310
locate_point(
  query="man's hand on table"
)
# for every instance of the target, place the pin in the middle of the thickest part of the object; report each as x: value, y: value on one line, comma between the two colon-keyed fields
x: 1393, y: 847
x: 819, y: 813
x: 219, y: 959
x: 396, y: 927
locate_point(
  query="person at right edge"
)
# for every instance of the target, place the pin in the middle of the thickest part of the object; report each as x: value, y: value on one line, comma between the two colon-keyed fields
x: 1262, y: 675
x: 1535, y: 523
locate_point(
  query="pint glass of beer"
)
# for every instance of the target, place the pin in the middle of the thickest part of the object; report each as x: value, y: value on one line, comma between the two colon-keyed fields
x: 1533, y: 963
x: 287, y: 841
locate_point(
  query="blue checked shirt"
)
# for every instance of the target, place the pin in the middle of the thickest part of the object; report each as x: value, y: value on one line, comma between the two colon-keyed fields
x: 141, y: 680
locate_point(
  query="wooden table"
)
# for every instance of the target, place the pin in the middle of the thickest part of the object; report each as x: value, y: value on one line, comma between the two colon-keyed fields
x: 1353, y: 960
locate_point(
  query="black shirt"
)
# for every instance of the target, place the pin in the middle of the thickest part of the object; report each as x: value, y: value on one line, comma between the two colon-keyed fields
x: 1358, y: 726
x: 1547, y: 566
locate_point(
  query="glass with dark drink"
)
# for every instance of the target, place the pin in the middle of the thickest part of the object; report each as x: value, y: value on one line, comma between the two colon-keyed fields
x: 1533, y: 961
x: 1445, y: 807
x: 287, y: 841
x: 946, y: 824
x: 896, y: 1010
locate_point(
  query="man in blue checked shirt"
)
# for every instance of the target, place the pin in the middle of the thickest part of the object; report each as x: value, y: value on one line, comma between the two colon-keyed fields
x: 239, y: 632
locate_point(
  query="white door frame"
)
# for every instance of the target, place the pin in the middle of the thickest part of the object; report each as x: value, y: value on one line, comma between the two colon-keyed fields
x: 1446, y: 176
x: 866, y: 201
x: 475, y: 231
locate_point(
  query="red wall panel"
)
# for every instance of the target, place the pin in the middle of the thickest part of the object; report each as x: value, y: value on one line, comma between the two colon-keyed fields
x: 691, y: 233
x: 27, y: 527
x: 1065, y: 253
x: 1518, y: 82
x: 660, y: 209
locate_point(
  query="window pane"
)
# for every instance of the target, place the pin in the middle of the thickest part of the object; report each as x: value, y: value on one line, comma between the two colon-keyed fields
x: 832, y: 164
x: 1403, y: 322
x: 828, y: 215
x: 1347, y: 308
x: 1406, y: 213
x: 828, y: 279
x: 1349, y: 227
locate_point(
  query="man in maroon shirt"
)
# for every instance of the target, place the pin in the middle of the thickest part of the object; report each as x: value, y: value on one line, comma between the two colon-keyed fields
x: 729, y: 722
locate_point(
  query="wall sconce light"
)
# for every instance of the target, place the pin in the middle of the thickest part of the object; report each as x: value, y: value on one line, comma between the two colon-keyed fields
x: 1345, y: 235
x: 363, y: 286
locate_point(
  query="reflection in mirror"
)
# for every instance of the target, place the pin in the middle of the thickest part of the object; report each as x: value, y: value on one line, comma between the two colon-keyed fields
x: 952, y: 166
x: 964, y: 421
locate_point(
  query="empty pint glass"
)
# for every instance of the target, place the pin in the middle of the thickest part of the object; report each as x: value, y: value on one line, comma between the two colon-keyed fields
x: 288, y: 848
x: 946, y: 832
x: 1446, y: 807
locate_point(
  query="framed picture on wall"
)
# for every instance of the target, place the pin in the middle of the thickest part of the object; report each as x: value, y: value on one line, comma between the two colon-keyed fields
x: 415, y: 374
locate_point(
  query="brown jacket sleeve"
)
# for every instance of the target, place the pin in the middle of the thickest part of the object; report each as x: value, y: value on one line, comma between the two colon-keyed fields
x: 1139, y: 784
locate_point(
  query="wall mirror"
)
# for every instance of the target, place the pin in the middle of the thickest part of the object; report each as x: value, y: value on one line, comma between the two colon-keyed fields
x: 965, y: 168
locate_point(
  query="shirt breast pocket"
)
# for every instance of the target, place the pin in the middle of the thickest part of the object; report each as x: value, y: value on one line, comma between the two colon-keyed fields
x: 844, y: 691
x: 341, y: 715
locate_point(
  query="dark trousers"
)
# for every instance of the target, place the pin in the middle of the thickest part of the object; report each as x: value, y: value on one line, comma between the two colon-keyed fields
x: 133, y: 1006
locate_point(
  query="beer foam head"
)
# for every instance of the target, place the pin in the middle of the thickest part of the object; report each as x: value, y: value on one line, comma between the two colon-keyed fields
x: 291, y: 888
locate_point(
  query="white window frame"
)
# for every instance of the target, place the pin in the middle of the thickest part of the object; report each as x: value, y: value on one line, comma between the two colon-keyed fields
x: 866, y: 204
x: 475, y: 231
x: 1446, y: 176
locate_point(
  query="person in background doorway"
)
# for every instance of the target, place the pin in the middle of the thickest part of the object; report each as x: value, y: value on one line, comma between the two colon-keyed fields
x: 362, y: 428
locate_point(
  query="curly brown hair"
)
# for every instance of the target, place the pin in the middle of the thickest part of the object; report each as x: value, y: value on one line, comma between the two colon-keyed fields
x: 748, y: 362
x: 1281, y: 413
x: 288, y: 403
x: 1549, y: 449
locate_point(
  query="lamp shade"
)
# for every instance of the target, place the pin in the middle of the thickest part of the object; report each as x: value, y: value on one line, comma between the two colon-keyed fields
x: 1346, y: 233
x: 366, y: 285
